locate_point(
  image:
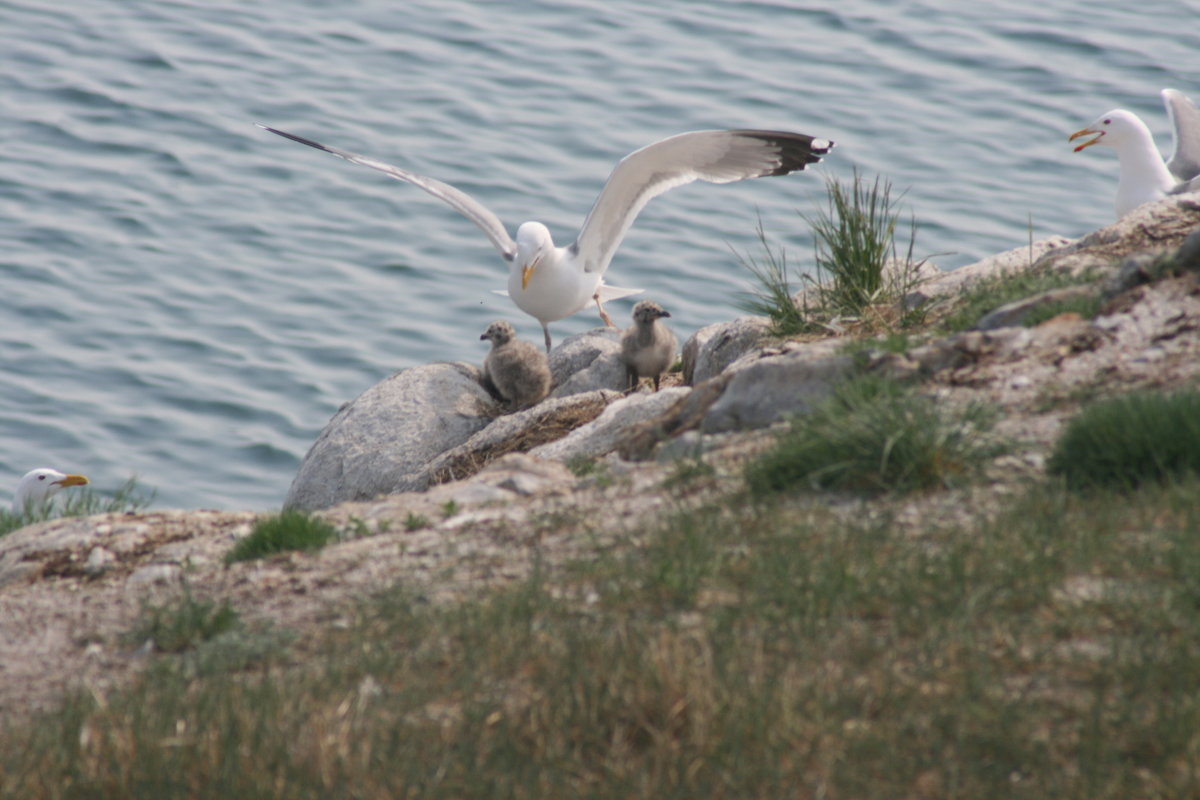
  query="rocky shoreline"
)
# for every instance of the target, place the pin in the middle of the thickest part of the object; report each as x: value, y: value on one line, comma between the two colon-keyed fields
x: 430, y: 486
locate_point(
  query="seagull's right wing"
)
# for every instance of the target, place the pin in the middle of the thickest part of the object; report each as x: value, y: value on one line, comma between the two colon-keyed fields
x: 460, y: 201
x: 1185, y: 127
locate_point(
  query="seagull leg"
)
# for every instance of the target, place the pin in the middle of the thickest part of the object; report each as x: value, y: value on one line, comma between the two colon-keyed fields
x: 603, y: 314
x: 546, y: 330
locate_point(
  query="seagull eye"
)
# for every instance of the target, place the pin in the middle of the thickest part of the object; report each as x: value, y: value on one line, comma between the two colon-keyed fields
x: 41, y: 477
x: 1108, y: 122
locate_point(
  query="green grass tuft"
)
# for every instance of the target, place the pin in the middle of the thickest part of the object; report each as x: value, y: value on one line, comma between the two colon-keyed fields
x: 183, y: 623
x: 1086, y: 306
x: 854, y: 245
x: 855, y: 240
x: 1126, y: 441
x: 989, y: 294
x: 774, y: 300
x: 289, y: 530
x: 874, y: 435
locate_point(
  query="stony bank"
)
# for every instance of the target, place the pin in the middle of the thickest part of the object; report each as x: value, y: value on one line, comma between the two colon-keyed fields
x: 431, y: 485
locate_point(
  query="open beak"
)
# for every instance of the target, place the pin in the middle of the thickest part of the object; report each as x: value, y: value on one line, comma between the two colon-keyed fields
x: 527, y: 271
x: 1085, y: 132
x: 72, y: 480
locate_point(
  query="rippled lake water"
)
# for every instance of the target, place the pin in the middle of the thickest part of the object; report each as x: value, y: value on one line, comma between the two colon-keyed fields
x: 188, y: 299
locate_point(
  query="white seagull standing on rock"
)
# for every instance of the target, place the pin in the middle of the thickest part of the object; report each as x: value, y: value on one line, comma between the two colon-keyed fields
x: 37, y: 486
x: 550, y: 283
x: 1145, y: 177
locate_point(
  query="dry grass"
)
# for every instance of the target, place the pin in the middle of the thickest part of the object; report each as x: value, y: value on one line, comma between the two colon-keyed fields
x: 549, y: 428
x: 740, y: 650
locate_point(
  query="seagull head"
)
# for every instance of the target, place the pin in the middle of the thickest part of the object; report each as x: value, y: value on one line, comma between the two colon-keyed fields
x: 1113, y: 129
x: 500, y: 332
x: 647, y: 311
x: 534, y: 244
x: 39, y: 485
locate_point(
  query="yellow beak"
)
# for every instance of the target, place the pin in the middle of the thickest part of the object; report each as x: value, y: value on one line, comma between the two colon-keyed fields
x: 527, y: 272
x: 1085, y: 132
x: 72, y: 480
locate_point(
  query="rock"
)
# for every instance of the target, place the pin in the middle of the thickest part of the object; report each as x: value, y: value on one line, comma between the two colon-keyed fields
x: 588, y: 362
x: 390, y: 432
x: 1015, y: 313
x: 1018, y: 259
x: 638, y: 441
x: 714, y: 347
x: 98, y: 561
x: 545, y: 422
x: 768, y: 389
x: 1158, y: 226
x: 154, y: 574
x: 602, y: 434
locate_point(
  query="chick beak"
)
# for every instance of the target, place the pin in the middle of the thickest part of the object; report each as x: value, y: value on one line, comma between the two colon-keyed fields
x: 72, y: 480
x: 528, y: 269
x: 482, y: 336
x: 1085, y: 132
x: 664, y: 313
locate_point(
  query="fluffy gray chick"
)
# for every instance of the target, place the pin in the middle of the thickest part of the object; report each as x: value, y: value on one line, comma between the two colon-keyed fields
x: 517, y: 371
x: 648, y: 346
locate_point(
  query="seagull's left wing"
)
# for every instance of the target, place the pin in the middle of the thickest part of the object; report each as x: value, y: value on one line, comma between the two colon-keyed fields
x: 1185, y: 126
x: 457, y: 199
x: 713, y: 156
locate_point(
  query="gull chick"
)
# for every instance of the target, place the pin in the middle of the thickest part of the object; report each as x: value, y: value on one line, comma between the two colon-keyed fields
x: 549, y: 282
x: 517, y: 371
x: 647, y: 346
x: 1144, y: 176
x: 37, y: 486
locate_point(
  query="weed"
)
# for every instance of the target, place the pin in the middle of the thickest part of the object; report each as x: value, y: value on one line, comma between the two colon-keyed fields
x: 414, y: 522
x: 1086, y: 306
x: 857, y: 272
x: 855, y: 241
x: 450, y: 508
x: 582, y: 465
x: 1125, y: 441
x: 874, y: 435
x: 182, y: 623
x: 989, y: 294
x: 288, y: 530
x: 688, y: 471
x: 775, y: 300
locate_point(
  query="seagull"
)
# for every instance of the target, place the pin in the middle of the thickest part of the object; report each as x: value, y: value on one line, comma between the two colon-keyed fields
x: 647, y: 346
x: 39, y: 485
x: 1145, y: 177
x: 517, y: 370
x: 549, y: 282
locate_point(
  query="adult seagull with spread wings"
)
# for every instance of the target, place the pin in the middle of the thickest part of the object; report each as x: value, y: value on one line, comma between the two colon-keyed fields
x: 550, y: 283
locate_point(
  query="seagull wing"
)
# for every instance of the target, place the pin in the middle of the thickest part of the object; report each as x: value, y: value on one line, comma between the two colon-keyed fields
x: 460, y: 201
x: 713, y: 156
x: 1185, y: 126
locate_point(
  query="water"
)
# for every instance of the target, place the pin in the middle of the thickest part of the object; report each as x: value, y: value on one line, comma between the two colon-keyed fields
x: 188, y: 299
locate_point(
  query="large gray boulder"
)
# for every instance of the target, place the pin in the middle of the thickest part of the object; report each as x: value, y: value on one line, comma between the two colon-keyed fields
x: 714, y: 347
x: 588, y: 362
x: 545, y: 422
x: 760, y: 391
x: 603, y: 434
x: 389, y: 432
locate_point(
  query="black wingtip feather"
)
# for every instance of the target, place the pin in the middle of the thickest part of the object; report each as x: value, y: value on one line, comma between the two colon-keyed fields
x: 296, y: 138
x: 796, y: 150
